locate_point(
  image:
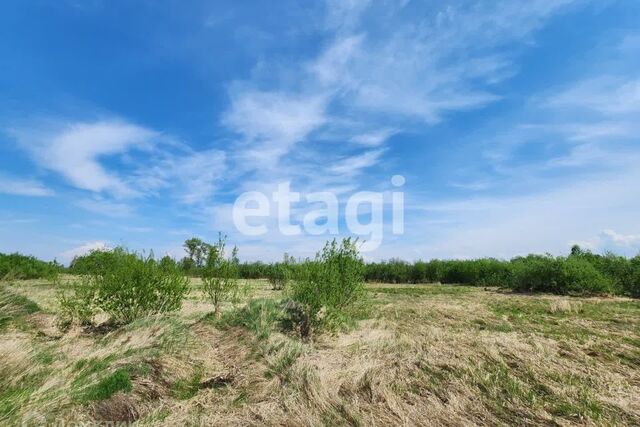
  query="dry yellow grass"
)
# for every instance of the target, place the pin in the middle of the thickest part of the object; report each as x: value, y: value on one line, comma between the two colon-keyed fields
x: 424, y: 355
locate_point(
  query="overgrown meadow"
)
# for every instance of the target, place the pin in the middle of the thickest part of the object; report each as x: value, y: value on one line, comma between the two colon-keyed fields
x: 125, y: 337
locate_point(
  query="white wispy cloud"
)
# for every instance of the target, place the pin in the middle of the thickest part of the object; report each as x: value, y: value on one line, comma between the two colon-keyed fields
x: 577, y: 189
x: 354, y: 165
x: 608, y: 95
x: 75, y: 150
x: 116, y: 160
x: 410, y: 68
x: 374, y: 138
x: 546, y: 220
x: 422, y: 68
x: 105, y: 207
x: 272, y: 122
x: 24, y: 187
x: 626, y: 240
x: 191, y: 177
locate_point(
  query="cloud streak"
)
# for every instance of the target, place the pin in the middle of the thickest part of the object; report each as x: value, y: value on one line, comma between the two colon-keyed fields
x: 75, y: 150
x: 24, y: 187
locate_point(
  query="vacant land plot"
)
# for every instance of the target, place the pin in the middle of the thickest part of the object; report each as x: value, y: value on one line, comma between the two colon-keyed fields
x: 423, y: 354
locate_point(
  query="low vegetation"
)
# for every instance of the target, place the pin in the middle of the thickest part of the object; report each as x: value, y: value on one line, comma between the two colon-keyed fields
x: 325, y: 288
x: 220, y: 274
x: 322, y: 347
x: 579, y: 273
x: 127, y: 286
x: 16, y: 266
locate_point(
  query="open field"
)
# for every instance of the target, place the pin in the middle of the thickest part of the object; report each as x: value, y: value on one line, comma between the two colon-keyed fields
x: 419, y: 354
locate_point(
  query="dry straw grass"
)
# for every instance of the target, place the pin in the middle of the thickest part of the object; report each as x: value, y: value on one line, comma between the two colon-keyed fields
x: 427, y: 356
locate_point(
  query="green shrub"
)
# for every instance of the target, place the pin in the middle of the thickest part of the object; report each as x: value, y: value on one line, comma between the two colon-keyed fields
x: 127, y: 287
x: 279, y: 275
x: 98, y: 261
x: 331, y: 283
x: 632, y: 288
x: 20, y: 267
x: 220, y: 275
x: 579, y: 276
x: 572, y: 275
x: 79, y: 305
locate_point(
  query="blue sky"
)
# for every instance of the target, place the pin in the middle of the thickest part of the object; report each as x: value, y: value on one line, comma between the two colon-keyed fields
x: 515, y: 124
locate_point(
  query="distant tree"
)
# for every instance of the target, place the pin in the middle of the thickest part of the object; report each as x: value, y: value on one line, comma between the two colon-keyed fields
x: 167, y: 263
x: 197, y: 251
x: 576, y: 250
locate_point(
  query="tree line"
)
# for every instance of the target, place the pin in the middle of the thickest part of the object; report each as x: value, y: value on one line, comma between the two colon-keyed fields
x: 579, y: 272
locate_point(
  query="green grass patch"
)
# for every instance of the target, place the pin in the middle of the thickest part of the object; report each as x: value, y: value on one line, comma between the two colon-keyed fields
x: 582, y: 320
x: 44, y: 357
x: 423, y: 290
x: 13, y: 395
x: 187, y: 388
x: 259, y: 316
x: 106, y: 387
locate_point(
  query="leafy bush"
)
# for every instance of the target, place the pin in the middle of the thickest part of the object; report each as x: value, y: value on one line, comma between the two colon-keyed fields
x: 331, y: 283
x: 535, y: 273
x: 582, y: 272
x: 280, y: 274
x: 98, y: 261
x: 278, y: 277
x: 127, y: 287
x: 571, y: 275
x: 220, y: 274
x: 17, y: 266
x: 632, y: 288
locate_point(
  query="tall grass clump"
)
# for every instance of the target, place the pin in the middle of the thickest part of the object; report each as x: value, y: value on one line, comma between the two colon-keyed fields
x: 127, y: 287
x: 326, y: 287
x: 14, y: 306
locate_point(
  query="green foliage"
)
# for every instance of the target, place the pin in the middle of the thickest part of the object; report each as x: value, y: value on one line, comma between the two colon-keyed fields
x: 220, y: 274
x: 78, y: 305
x: 582, y: 272
x: 197, y: 255
x: 329, y: 285
x: 98, y: 261
x: 126, y: 288
x: 19, y: 267
x: 579, y: 276
x: 281, y: 273
x: 167, y: 263
x: 484, y: 271
x: 632, y: 287
x: 572, y: 275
